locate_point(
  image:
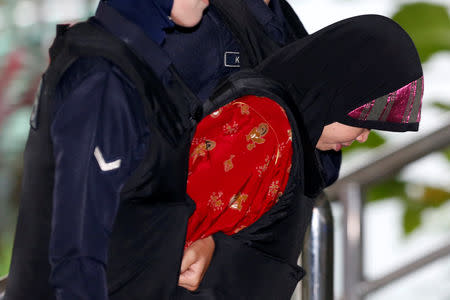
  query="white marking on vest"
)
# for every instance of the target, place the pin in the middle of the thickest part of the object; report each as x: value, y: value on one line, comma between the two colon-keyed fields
x: 104, y: 166
x: 232, y: 59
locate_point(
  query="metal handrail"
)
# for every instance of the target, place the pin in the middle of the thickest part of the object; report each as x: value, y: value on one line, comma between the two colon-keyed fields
x: 350, y: 191
x: 318, y: 255
x: 388, y: 164
x: 368, y: 287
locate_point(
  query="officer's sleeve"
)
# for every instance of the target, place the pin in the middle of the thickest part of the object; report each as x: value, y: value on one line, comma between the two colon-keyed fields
x: 95, y: 137
x: 331, y: 165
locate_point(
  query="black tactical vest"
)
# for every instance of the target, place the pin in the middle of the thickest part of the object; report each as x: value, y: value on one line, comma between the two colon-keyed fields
x: 172, y: 124
x: 154, y: 206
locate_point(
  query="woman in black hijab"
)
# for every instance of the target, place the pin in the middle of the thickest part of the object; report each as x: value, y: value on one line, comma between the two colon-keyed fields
x: 363, y: 72
x: 358, y: 74
x: 354, y: 62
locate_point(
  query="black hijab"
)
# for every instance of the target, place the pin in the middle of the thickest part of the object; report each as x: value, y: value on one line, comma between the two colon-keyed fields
x: 363, y: 72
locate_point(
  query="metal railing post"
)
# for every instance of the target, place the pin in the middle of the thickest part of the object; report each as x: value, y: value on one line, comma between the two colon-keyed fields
x: 318, y: 253
x: 352, y: 198
x: 349, y: 190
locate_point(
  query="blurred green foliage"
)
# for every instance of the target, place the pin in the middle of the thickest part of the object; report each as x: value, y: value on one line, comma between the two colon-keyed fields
x: 441, y: 105
x: 375, y: 140
x: 447, y: 153
x: 5, y: 254
x: 412, y: 217
x: 428, y: 25
x: 415, y: 199
x: 387, y: 189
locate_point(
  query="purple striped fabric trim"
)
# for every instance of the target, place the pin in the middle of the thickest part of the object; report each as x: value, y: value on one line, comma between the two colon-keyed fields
x: 414, y: 87
x: 419, y: 114
x: 361, y: 112
x: 401, y: 106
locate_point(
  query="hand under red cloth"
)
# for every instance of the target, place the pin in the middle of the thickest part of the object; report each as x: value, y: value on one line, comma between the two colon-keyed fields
x: 195, y: 262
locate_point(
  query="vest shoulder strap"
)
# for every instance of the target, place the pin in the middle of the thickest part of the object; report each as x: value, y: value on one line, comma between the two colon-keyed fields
x: 255, y: 43
x: 88, y: 39
x: 293, y: 21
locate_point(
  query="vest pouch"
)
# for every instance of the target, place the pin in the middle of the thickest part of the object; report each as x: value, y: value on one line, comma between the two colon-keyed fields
x: 248, y: 273
x: 201, y: 294
x: 146, y: 250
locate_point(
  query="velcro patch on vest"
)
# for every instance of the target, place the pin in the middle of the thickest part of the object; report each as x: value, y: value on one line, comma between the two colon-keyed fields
x: 232, y: 59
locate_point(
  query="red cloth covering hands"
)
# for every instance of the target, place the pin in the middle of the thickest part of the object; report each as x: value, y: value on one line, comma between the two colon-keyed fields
x: 239, y: 165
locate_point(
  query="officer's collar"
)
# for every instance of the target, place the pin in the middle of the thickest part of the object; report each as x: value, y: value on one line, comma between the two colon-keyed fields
x: 134, y: 37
